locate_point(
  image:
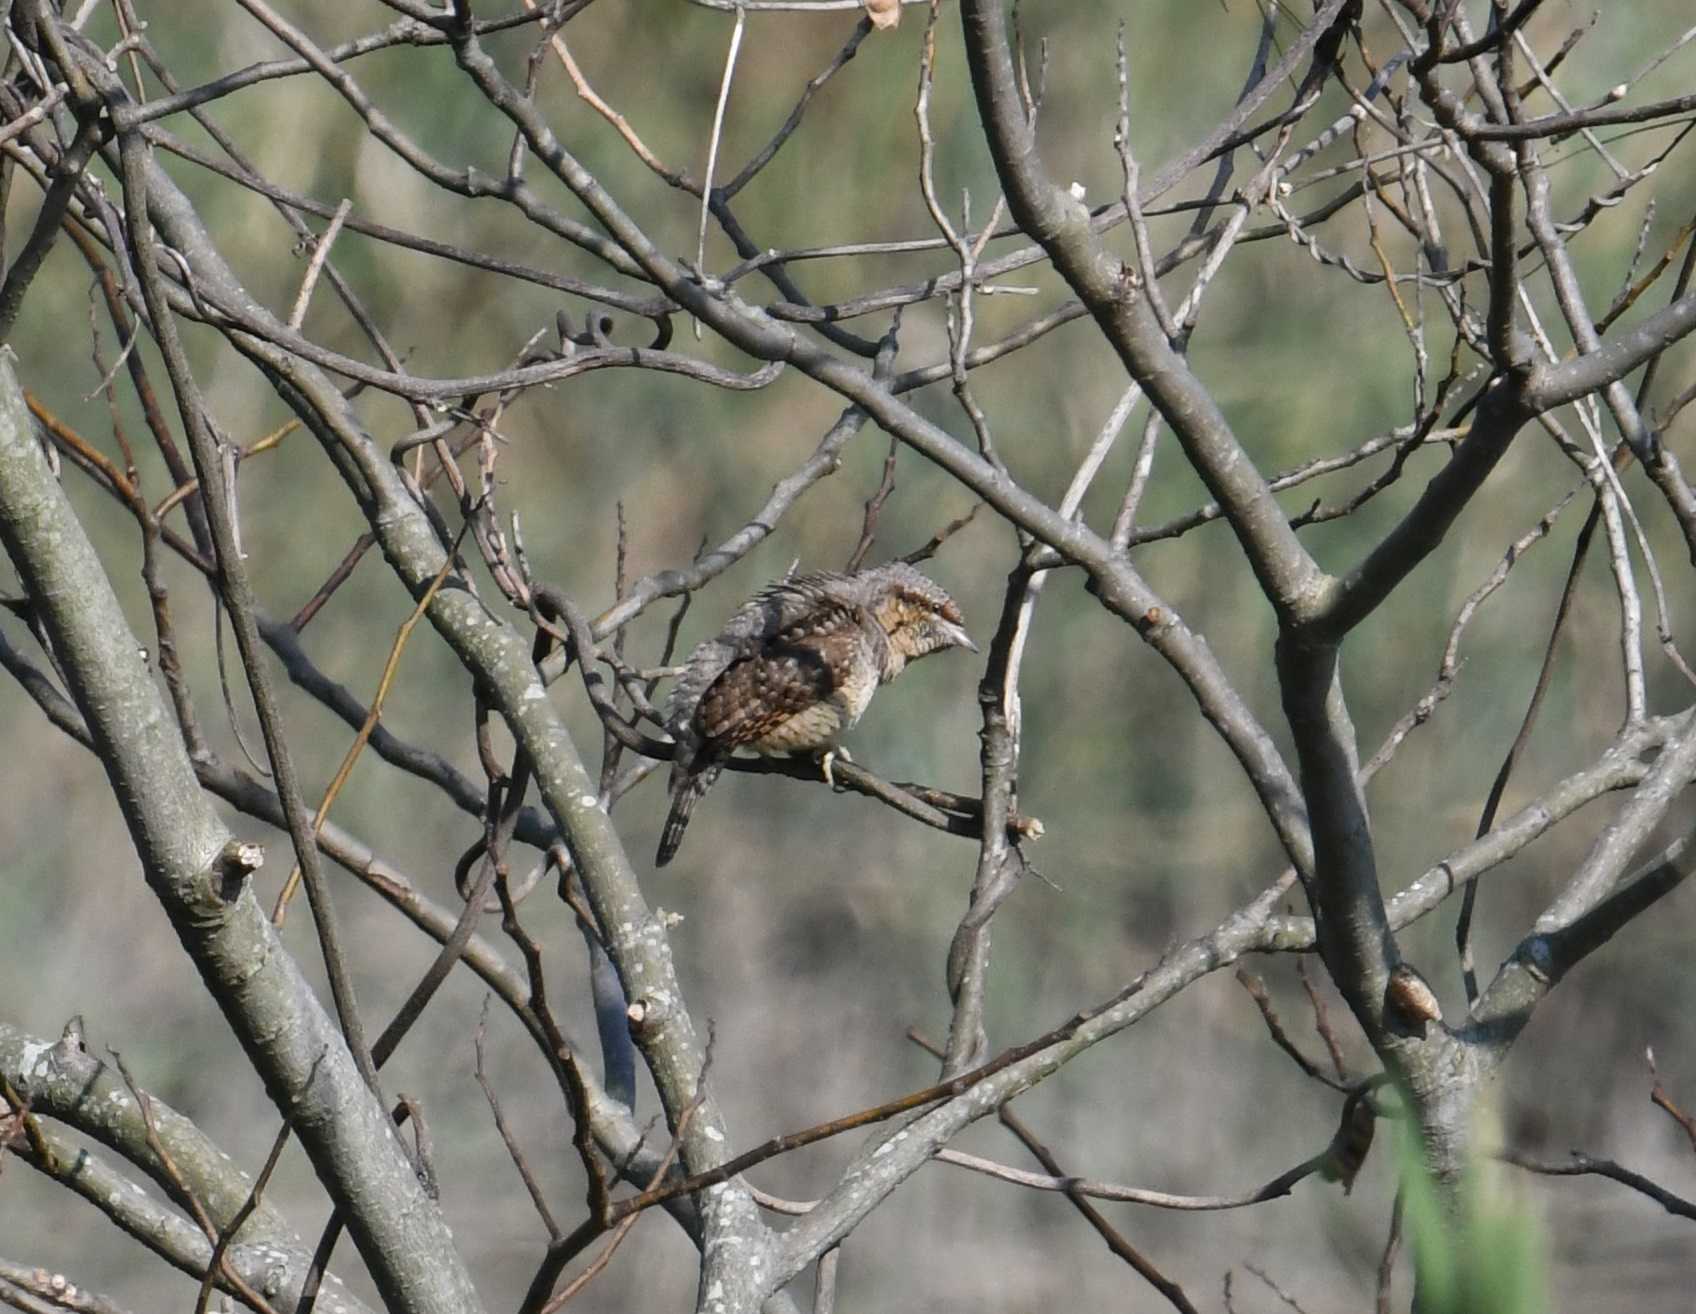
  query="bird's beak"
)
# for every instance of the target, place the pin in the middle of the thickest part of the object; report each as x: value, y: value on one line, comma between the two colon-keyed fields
x: 957, y: 637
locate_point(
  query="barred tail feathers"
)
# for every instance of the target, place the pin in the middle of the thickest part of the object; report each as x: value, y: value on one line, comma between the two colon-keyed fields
x: 685, y: 794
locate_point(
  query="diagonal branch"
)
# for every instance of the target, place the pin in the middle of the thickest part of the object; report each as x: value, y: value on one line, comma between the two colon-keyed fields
x: 199, y: 875
x: 1118, y: 301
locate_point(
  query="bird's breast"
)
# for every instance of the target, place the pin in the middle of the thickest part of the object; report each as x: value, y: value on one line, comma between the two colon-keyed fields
x: 811, y: 728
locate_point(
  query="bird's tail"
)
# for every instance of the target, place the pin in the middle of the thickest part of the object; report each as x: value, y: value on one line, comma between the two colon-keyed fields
x: 687, y: 791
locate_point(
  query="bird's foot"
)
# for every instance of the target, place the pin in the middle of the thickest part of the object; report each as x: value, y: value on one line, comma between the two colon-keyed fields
x: 827, y: 760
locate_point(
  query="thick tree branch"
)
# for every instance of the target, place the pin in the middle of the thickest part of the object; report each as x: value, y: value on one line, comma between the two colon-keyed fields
x: 194, y: 869
x: 62, y: 1082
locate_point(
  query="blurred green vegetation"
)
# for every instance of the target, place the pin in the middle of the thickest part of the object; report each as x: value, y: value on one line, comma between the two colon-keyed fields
x: 822, y: 934
x: 1489, y: 1254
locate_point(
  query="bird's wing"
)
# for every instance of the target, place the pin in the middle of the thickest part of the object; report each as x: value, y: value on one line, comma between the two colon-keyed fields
x: 788, y: 672
x: 771, y: 612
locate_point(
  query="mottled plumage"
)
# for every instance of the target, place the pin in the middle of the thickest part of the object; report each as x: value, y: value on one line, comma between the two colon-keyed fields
x: 794, y: 668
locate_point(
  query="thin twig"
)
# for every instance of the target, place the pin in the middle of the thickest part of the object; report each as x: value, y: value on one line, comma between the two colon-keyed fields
x: 1581, y: 1164
x: 384, y: 683
x: 1263, y: 1001
x: 1659, y: 1097
x: 717, y: 133
x: 1279, y: 1186
x: 320, y: 253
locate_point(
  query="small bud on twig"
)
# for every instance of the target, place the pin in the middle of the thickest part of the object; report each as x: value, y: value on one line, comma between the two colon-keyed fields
x: 1411, y: 998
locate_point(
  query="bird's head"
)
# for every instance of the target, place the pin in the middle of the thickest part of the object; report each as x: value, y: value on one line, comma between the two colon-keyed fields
x: 916, y: 614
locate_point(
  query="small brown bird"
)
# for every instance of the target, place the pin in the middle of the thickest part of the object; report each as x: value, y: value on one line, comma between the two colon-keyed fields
x: 794, y: 668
